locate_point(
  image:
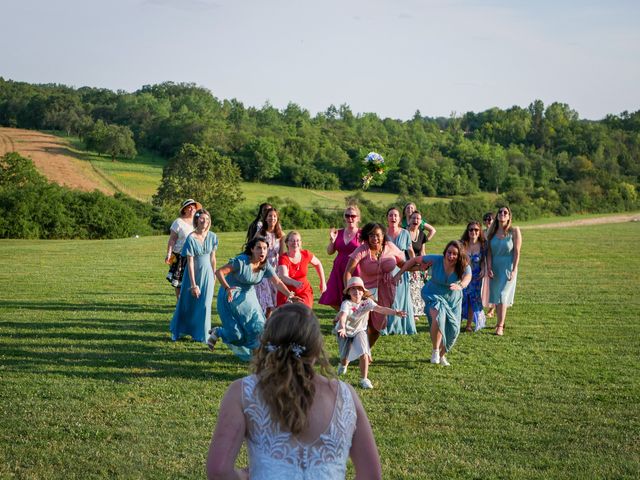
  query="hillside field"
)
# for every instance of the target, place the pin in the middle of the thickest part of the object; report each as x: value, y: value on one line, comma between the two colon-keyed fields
x: 92, y: 387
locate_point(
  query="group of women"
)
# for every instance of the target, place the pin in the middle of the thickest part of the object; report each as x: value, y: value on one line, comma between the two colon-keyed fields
x: 288, y: 402
x: 473, y: 272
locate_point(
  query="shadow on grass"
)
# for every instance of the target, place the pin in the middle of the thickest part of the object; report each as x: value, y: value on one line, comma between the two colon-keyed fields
x: 88, y: 307
x: 111, y: 353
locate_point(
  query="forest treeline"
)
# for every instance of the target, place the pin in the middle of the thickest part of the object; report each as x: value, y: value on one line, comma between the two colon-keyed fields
x: 540, y: 159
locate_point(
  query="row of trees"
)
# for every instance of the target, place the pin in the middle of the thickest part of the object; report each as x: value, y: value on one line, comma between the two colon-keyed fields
x: 546, y: 157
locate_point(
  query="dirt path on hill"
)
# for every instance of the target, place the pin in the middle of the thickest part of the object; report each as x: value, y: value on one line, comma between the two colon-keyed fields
x: 632, y: 217
x: 54, y: 158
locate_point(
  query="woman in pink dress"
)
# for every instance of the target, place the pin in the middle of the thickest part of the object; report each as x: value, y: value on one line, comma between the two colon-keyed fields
x: 343, y: 241
x: 377, y: 259
x: 292, y: 270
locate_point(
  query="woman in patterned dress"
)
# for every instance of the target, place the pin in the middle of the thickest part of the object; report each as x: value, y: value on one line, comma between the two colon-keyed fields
x: 272, y: 231
x: 417, y: 278
x: 476, y: 246
x: 297, y: 421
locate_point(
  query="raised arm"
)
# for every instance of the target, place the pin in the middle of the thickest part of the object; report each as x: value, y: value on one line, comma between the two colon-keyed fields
x: 331, y: 247
x: 227, y: 437
x: 431, y: 232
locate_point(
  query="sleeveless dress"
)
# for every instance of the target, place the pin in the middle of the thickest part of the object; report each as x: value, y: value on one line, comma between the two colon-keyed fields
x: 448, y: 303
x: 502, y: 290
x: 193, y: 315
x: 276, y: 454
x: 242, y: 318
x: 266, y: 290
x: 472, y: 295
x: 297, y: 271
x: 416, y: 279
x: 396, y: 324
x: 332, y: 296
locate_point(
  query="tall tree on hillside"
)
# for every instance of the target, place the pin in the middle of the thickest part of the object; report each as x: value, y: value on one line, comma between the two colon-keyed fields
x: 203, y: 174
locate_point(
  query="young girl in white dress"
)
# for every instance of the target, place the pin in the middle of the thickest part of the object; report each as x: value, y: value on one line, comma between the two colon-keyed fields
x: 351, y: 328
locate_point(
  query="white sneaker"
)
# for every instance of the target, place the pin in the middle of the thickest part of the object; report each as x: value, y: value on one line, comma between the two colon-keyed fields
x: 366, y: 383
x: 213, y: 338
x: 435, y: 356
x: 342, y: 369
x: 444, y: 362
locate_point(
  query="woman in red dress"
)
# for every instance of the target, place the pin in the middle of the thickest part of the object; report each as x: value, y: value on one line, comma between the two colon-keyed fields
x: 293, y: 267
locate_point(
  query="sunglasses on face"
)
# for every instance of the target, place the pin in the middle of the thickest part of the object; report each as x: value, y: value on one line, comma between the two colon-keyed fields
x: 473, y: 230
x: 486, y: 220
x: 503, y: 212
x: 348, y: 215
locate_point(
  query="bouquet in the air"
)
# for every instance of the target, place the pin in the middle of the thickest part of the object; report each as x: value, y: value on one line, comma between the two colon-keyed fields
x: 375, y: 166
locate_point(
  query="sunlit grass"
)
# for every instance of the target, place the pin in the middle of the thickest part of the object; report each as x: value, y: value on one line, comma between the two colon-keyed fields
x: 92, y: 387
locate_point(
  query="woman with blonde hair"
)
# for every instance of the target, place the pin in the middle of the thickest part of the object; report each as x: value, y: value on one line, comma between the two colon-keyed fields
x: 297, y: 422
x: 293, y: 267
x: 503, y: 258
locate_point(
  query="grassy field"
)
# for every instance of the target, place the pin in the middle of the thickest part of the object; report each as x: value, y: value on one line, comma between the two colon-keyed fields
x: 92, y: 387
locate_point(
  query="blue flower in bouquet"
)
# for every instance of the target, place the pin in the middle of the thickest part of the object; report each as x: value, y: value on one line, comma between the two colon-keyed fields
x: 375, y: 166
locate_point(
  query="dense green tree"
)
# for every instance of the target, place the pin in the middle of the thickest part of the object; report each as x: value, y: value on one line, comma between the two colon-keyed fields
x: 204, y: 174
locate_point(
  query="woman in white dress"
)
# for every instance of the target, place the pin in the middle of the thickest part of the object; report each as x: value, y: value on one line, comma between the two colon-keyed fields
x: 297, y: 423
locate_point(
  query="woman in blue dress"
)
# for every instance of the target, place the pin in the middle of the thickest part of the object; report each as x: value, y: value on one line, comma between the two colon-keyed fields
x: 476, y: 246
x: 193, y: 311
x: 505, y: 242
x: 240, y: 312
x: 397, y: 324
x: 442, y: 295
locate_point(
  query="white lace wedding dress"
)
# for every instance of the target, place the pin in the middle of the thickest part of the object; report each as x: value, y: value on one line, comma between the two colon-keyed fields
x: 277, y: 454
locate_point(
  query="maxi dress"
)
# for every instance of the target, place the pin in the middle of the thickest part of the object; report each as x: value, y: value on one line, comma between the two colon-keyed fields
x: 332, y: 296
x: 242, y: 318
x: 377, y: 275
x: 275, y: 453
x: 193, y: 315
x: 472, y: 295
x: 265, y: 290
x: 436, y: 294
x: 502, y: 290
x: 416, y: 279
x: 297, y: 271
x: 397, y: 325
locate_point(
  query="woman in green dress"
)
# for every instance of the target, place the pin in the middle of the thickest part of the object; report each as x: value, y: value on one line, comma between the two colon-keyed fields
x: 442, y: 295
x: 503, y: 258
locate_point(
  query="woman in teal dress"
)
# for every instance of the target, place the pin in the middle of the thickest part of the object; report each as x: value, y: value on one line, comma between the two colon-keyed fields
x: 503, y: 258
x: 240, y: 312
x: 396, y: 324
x: 193, y: 311
x: 442, y: 295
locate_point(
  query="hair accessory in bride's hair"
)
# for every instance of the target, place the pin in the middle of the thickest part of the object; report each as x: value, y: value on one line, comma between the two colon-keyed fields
x: 271, y: 347
x: 297, y: 350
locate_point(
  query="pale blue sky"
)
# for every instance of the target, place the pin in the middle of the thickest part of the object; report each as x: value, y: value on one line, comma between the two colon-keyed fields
x: 390, y: 57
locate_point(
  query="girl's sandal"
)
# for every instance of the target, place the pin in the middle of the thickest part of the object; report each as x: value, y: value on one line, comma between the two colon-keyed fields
x: 500, y: 331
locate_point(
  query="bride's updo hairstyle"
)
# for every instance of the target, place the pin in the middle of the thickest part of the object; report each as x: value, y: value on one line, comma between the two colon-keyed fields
x: 290, y: 348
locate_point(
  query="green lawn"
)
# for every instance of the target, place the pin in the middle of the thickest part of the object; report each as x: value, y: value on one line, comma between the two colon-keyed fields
x: 92, y: 387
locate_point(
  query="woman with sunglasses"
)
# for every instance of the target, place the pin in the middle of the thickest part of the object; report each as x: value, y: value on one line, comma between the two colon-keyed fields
x: 503, y: 258
x: 343, y: 241
x: 476, y: 246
